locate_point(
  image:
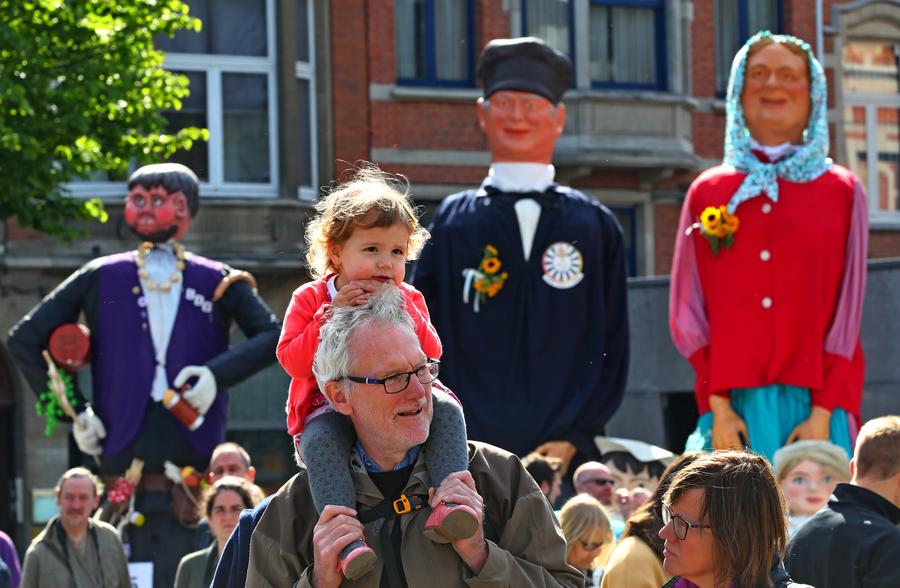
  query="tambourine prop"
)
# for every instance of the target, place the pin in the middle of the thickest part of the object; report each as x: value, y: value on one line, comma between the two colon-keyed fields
x: 70, y: 346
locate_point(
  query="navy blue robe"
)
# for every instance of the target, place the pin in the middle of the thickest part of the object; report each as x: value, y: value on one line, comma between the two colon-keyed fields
x: 546, y: 357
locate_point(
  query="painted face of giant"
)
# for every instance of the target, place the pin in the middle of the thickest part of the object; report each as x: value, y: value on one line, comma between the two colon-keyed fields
x: 520, y: 126
x: 776, y: 98
x: 155, y: 215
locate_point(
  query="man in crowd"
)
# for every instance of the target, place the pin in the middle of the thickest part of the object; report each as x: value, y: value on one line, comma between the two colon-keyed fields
x: 524, y: 278
x: 518, y: 542
x: 854, y: 542
x: 595, y: 479
x: 73, y: 549
x: 545, y: 471
x: 230, y: 459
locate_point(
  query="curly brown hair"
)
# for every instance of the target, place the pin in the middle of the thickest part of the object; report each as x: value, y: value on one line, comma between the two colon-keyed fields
x: 372, y: 198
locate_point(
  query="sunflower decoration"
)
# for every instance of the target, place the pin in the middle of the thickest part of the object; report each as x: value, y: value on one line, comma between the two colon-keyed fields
x: 490, y: 281
x: 486, y: 280
x: 718, y: 226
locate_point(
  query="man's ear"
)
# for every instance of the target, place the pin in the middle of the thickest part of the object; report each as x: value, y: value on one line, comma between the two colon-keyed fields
x: 251, y: 474
x: 560, y: 118
x: 338, y: 397
x: 545, y: 488
x: 852, y: 469
x: 181, y: 204
x: 480, y: 113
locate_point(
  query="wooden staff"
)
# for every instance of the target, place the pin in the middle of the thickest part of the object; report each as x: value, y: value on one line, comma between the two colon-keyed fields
x: 58, y: 387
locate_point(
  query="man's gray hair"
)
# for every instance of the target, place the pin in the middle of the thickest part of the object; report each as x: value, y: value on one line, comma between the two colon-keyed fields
x: 332, y: 360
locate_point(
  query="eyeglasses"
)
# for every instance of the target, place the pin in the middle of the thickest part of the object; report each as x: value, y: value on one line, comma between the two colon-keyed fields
x: 529, y: 107
x: 588, y: 546
x: 679, y: 525
x: 602, y: 481
x: 399, y: 382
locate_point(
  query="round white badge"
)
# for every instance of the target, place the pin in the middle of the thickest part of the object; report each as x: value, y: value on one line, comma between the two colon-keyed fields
x: 562, y: 264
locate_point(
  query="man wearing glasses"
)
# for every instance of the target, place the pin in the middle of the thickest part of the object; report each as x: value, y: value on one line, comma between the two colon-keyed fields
x: 371, y: 369
x: 595, y: 479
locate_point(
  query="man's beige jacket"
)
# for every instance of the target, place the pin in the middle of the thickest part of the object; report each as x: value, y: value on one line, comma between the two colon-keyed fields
x: 530, y: 549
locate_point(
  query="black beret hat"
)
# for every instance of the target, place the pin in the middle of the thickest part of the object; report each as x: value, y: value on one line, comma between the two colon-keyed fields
x: 526, y: 64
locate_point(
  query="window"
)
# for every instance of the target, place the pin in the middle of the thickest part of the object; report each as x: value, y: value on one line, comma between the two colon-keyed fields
x: 628, y: 41
x: 551, y: 20
x: 627, y: 38
x: 736, y: 21
x: 434, y: 42
x: 231, y: 67
x: 304, y: 72
x: 871, y: 88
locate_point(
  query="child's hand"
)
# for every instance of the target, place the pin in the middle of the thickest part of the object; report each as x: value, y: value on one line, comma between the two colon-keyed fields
x: 356, y: 293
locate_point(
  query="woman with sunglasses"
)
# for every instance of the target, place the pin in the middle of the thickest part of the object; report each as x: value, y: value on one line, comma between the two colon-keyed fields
x: 586, y: 527
x: 636, y: 562
x: 725, y: 524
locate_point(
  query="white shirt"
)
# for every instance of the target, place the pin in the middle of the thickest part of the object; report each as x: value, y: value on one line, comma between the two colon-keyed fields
x: 523, y: 177
x: 774, y: 152
x: 162, y: 307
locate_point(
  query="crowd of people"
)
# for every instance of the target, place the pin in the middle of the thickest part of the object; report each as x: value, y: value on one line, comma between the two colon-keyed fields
x: 406, y: 430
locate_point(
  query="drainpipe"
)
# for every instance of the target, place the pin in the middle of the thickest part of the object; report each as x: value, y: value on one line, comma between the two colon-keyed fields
x: 820, y: 35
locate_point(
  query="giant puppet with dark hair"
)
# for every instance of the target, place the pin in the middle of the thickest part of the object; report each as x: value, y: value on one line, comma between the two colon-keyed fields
x: 770, y: 265
x: 524, y: 278
x: 159, y: 320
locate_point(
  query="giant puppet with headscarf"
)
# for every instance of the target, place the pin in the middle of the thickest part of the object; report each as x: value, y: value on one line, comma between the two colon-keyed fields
x: 770, y: 265
x: 159, y: 320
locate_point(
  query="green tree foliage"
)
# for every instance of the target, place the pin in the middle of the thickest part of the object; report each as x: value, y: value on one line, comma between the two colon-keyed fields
x: 81, y: 91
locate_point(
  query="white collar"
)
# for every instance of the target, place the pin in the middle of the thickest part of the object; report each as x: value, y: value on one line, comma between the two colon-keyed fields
x: 332, y: 289
x: 520, y: 177
x: 774, y: 152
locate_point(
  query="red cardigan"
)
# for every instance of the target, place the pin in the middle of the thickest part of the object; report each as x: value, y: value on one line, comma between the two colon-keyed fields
x: 300, y: 339
x: 784, y: 303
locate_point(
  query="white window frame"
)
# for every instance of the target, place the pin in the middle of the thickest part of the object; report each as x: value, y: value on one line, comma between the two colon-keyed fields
x: 307, y: 71
x: 214, y: 66
x: 871, y: 103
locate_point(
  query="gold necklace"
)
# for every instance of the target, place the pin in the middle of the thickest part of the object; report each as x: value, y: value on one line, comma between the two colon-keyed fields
x: 141, y: 262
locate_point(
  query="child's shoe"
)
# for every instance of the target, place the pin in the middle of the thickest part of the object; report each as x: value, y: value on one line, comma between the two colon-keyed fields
x: 449, y: 522
x: 357, y: 559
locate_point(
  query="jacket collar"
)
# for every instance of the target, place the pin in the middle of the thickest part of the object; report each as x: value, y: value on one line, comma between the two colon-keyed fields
x: 852, y: 494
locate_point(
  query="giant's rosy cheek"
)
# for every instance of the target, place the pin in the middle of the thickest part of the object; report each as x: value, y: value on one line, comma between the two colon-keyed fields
x: 165, y: 214
x: 131, y: 213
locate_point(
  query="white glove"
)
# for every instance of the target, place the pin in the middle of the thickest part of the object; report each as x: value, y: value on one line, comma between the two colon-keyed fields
x: 203, y: 392
x: 88, y: 431
x: 172, y: 471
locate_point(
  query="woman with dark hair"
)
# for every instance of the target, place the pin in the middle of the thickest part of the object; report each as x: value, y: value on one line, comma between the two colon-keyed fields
x: 222, y: 505
x: 725, y: 524
x: 636, y: 562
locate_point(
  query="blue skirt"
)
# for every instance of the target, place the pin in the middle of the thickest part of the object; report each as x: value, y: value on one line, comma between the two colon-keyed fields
x: 771, y: 413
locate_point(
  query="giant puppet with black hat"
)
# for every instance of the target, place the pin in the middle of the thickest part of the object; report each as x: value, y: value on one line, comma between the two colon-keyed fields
x: 158, y: 321
x: 525, y: 278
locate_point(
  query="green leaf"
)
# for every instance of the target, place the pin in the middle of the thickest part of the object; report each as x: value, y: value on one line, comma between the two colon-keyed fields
x: 729, y: 240
x: 83, y: 92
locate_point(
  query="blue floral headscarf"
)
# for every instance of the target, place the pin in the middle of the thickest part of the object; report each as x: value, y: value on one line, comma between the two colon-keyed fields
x: 806, y: 164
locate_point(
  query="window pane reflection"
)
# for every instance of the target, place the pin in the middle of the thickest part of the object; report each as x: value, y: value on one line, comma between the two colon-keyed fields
x: 245, y: 119
x: 192, y: 114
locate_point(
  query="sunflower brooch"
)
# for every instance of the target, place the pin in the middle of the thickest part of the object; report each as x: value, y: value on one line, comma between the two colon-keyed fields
x: 718, y: 226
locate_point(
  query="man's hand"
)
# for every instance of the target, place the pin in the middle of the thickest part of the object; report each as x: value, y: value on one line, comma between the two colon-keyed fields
x: 337, y: 528
x: 817, y: 426
x: 727, y: 425
x: 459, y: 488
x: 562, y: 450
x: 356, y: 293
x: 203, y: 393
x: 88, y: 431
